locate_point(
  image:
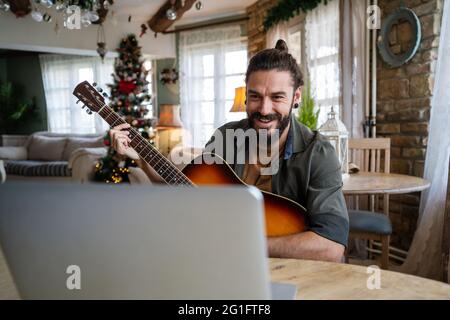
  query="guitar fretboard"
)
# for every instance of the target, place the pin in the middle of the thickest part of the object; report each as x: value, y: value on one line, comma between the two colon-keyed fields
x: 171, y: 174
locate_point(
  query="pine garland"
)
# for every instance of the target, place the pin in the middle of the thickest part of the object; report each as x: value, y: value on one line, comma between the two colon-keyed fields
x: 287, y: 9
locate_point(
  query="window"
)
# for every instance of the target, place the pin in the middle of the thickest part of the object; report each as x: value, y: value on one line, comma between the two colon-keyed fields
x: 212, y: 64
x: 60, y: 74
x: 322, y: 55
x: 149, y: 66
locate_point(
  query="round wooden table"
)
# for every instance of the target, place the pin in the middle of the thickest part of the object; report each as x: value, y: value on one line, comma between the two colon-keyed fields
x: 326, y: 280
x: 382, y: 183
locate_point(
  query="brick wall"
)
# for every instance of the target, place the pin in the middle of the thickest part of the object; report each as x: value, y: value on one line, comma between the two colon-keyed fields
x: 403, y: 106
x: 256, y: 35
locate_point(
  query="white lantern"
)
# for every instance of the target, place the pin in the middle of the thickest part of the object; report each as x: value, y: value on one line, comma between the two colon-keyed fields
x: 337, y: 134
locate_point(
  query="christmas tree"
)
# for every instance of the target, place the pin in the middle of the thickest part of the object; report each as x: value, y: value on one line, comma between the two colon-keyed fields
x: 129, y: 98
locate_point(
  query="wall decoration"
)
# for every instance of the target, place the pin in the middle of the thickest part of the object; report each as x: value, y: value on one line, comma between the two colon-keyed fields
x: 287, y: 9
x: 169, y: 76
x: 401, y: 15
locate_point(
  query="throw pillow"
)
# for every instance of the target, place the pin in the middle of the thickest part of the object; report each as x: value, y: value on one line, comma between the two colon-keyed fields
x: 46, y: 148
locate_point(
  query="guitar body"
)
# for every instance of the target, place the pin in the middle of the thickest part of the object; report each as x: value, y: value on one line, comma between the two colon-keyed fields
x: 283, y: 216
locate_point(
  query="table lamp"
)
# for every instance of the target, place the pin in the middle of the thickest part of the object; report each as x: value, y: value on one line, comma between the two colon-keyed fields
x: 168, y: 128
x: 239, y: 100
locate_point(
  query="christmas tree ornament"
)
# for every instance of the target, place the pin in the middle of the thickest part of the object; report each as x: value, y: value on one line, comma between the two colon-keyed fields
x: 101, y: 42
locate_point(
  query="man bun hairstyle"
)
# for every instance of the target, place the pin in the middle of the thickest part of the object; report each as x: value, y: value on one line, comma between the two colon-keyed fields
x: 278, y: 59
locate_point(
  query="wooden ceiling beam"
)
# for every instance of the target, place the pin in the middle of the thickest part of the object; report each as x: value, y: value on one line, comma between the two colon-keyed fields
x: 160, y: 23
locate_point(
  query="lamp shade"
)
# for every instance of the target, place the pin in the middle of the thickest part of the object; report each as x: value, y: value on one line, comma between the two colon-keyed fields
x: 169, y: 116
x: 239, y: 100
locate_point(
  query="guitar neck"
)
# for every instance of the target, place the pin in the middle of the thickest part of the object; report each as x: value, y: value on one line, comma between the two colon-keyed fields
x: 171, y: 174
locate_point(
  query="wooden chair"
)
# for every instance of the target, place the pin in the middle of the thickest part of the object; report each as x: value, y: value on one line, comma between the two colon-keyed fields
x: 371, y: 155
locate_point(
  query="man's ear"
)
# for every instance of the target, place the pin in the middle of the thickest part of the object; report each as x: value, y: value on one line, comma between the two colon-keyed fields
x: 298, y: 95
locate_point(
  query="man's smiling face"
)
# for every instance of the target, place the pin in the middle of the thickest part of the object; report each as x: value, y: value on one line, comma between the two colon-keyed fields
x: 270, y: 97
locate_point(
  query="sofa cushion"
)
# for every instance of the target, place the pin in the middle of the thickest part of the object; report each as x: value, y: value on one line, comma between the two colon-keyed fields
x: 74, y: 143
x: 37, y: 168
x: 46, y: 148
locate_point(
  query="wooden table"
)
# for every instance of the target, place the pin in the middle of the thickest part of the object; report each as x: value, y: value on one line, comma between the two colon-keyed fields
x: 326, y: 280
x: 318, y: 280
x: 382, y: 183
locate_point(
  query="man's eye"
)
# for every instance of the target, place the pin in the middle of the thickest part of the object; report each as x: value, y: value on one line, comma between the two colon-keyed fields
x: 253, y: 96
x: 278, y: 97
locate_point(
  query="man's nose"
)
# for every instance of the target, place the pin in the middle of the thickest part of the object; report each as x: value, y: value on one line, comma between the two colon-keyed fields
x: 266, y: 106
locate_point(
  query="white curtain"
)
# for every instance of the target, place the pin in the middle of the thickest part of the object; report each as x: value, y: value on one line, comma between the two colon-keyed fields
x: 60, y: 75
x: 323, y: 57
x: 212, y: 64
x: 425, y: 255
x: 279, y: 31
x: 353, y: 66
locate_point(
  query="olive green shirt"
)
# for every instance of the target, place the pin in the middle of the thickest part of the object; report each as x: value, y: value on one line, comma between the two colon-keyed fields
x: 309, y: 173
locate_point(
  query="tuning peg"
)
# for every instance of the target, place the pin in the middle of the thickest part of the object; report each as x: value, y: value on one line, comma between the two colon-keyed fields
x: 94, y: 84
x: 99, y: 89
x: 88, y: 111
x: 84, y: 106
x: 77, y: 101
x: 105, y: 94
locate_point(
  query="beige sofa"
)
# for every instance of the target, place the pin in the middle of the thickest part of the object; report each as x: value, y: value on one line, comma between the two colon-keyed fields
x: 54, y: 156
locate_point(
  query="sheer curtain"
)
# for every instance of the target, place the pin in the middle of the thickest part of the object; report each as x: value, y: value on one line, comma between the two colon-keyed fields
x: 212, y: 65
x: 60, y: 75
x: 424, y: 257
x: 279, y: 31
x: 323, y: 57
x: 353, y: 66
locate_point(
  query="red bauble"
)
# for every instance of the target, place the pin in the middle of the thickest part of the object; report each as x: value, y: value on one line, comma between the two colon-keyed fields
x: 126, y: 86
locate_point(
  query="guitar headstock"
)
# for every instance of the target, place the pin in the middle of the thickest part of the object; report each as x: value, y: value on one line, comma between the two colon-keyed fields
x: 91, y: 97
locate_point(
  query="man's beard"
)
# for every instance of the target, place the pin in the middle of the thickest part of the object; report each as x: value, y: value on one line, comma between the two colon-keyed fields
x: 283, y: 123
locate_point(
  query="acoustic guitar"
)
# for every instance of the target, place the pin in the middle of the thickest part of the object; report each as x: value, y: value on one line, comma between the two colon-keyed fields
x: 282, y: 215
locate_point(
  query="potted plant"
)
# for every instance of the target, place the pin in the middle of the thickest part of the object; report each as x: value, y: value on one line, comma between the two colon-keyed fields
x: 14, y: 109
x: 307, y: 114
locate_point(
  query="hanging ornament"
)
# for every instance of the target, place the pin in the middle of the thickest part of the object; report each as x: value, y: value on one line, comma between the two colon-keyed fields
x: 47, y: 18
x: 37, y: 15
x: 126, y: 86
x: 199, y: 5
x: 143, y: 30
x: 4, y: 6
x: 101, y: 42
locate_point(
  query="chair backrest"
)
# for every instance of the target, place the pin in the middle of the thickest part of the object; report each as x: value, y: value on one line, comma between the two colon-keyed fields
x: 370, y: 154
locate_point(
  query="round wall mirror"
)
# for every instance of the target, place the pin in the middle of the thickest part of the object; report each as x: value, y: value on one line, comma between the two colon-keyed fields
x: 400, y: 37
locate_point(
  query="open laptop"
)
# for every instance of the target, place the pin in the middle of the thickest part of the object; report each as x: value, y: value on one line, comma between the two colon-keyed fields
x: 71, y: 241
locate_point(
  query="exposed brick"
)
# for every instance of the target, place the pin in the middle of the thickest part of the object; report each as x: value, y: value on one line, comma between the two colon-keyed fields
x: 396, y: 152
x: 426, y: 8
x: 417, y: 103
x: 430, y: 55
x: 401, y: 166
x: 409, y: 115
x: 419, y: 68
x: 388, y: 128
x: 430, y: 25
x: 404, y: 32
x: 420, y: 86
x: 405, y: 141
x: 391, y: 73
x: 393, y: 89
x: 414, y: 153
x: 414, y: 127
x: 419, y: 166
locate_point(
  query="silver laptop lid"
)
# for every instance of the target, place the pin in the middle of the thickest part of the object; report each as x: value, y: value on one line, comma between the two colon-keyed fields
x: 134, y: 242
